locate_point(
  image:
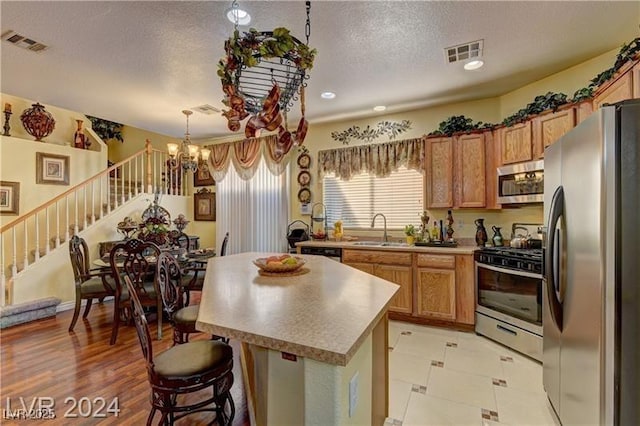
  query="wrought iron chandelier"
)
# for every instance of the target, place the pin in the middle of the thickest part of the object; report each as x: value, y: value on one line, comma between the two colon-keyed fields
x: 262, y: 75
x: 187, y: 156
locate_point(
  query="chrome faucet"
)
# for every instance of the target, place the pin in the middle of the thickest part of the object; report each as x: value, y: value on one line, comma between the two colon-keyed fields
x: 373, y: 222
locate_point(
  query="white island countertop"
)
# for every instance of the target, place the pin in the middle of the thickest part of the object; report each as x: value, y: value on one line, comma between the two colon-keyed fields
x: 324, y: 314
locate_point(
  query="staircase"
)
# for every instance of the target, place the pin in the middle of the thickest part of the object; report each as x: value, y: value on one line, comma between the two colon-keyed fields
x: 31, y: 237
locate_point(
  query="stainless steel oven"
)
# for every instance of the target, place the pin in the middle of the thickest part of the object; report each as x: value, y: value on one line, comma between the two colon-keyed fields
x: 509, y: 297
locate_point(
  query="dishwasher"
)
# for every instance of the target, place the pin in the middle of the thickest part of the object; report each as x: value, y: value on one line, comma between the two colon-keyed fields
x: 333, y: 253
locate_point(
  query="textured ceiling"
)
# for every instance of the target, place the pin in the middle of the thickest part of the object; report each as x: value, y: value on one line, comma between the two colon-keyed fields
x: 141, y: 63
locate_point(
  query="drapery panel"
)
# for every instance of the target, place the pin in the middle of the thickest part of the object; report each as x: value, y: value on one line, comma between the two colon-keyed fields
x: 245, y: 156
x: 378, y: 159
x: 255, y: 212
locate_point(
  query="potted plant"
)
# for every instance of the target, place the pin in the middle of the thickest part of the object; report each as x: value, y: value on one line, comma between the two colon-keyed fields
x: 154, y: 230
x: 410, y: 232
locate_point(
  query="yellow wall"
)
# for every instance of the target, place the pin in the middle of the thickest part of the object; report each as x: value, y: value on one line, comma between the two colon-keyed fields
x: 65, y: 119
x: 567, y: 82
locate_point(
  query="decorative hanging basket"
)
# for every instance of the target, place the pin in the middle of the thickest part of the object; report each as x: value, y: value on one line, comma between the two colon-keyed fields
x: 262, y: 75
x: 37, y: 122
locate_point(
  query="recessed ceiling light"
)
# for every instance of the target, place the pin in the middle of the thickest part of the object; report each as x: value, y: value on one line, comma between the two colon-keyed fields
x: 473, y: 65
x: 242, y: 16
x: 327, y: 95
x: 379, y: 108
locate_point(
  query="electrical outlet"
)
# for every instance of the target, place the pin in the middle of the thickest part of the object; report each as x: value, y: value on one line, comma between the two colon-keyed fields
x: 353, y: 394
x: 461, y: 224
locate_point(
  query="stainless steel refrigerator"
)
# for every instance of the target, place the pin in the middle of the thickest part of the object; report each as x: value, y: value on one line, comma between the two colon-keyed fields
x: 591, y: 300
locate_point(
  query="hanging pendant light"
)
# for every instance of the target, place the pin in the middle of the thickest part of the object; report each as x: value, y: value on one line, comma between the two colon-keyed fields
x: 262, y: 75
x: 187, y: 155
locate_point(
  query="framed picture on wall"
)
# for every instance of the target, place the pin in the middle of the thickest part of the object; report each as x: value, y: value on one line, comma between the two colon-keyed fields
x: 9, y: 197
x: 52, y: 169
x: 204, y: 205
x: 202, y: 176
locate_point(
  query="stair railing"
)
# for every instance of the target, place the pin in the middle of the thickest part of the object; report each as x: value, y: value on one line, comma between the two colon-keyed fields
x: 33, y: 235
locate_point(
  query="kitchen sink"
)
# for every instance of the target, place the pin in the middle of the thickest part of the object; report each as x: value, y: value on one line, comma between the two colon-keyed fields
x: 368, y: 243
x: 380, y: 244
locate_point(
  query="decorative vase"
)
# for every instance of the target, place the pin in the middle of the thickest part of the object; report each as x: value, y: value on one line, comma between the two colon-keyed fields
x: 411, y: 240
x: 481, y: 233
x: 80, y: 140
x: 497, y: 237
x: 37, y: 122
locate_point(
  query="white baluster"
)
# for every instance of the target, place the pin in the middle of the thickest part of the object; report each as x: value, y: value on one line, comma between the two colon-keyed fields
x: 37, y: 255
x: 66, y: 218
x: 93, y: 202
x: 47, y: 240
x: 101, y: 186
x: 136, y: 173
x: 57, y: 224
x: 122, y: 184
x: 130, y: 193
x: 26, y: 246
x: 75, y: 213
x: 84, y: 206
x: 14, y: 252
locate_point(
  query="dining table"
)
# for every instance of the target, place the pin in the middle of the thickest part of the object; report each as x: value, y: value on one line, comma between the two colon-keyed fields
x: 314, y: 341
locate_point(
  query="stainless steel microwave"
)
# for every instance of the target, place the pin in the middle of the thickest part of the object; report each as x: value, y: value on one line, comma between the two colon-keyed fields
x: 521, y: 183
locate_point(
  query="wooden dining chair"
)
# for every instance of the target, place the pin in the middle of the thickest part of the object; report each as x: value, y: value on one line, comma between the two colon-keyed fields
x: 169, y: 279
x: 194, y: 275
x: 182, y: 317
x: 223, y: 247
x: 184, y: 369
x: 136, y: 259
x: 90, y: 283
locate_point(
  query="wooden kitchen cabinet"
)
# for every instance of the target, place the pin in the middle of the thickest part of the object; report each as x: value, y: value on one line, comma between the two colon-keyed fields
x: 436, y: 286
x: 619, y: 90
x: 549, y: 127
x: 583, y: 110
x: 456, y: 171
x: 635, y: 77
x: 469, y: 178
x: 515, y: 143
x: 445, y: 288
x: 439, y: 172
x: 391, y: 266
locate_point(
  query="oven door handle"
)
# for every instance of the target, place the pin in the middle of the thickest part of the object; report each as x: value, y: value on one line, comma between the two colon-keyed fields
x: 508, y: 271
x: 554, y: 257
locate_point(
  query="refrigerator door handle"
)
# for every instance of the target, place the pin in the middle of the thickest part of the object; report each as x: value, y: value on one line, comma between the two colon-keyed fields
x: 553, y: 256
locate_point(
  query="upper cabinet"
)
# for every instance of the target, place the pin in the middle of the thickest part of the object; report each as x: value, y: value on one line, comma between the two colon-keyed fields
x: 439, y: 172
x: 549, y: 127
x: 469, y: 176
x: 619, y: 90
x: 635, y: 76
x: 456, y: 174
x: 515, y: 143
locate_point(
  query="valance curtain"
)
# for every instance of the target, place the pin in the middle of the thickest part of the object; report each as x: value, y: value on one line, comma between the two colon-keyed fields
x: 245, y: 156
x: 378, y: 159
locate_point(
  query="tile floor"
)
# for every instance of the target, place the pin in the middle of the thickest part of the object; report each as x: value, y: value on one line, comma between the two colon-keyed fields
x: 446, y: 377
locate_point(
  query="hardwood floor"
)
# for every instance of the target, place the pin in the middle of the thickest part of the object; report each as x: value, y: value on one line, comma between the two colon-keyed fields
x: 43, y: 360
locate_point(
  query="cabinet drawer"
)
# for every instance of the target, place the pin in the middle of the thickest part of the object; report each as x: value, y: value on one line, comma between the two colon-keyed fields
x: 437, y: 261
x: 371, y: 256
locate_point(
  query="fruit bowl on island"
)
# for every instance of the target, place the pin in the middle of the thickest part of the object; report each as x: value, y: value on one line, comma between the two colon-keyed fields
x: 283, y: 263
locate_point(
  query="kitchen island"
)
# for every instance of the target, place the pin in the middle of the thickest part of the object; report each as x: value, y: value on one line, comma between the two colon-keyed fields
x: 314, y: 346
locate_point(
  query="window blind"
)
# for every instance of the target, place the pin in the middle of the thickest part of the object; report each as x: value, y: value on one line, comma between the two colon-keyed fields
x: 399, y: 197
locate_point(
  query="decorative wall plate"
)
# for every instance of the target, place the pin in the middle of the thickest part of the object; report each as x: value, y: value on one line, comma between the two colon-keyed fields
x: 304, y: 195
x: 304, y: 161
x: 304, y: 178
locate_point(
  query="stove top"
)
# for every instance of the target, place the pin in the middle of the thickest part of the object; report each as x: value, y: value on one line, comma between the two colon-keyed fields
x: 527, y: 260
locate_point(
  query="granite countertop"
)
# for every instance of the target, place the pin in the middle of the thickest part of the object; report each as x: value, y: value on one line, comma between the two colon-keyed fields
x: 324, y: 314
x: 461, y: 249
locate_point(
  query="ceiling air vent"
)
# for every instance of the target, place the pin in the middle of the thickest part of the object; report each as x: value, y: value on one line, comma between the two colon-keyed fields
x: 463, y: 52
x: 23, y: 42
x: 206, y: 109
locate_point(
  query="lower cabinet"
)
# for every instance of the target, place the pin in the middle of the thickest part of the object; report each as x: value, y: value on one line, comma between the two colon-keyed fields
x: 438, y: 287
x: 403, y: 276
x: 391, y: 266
